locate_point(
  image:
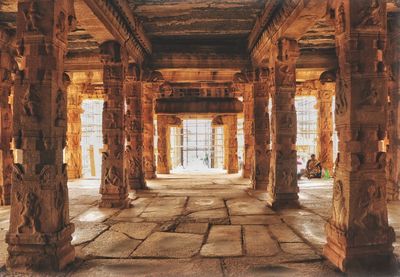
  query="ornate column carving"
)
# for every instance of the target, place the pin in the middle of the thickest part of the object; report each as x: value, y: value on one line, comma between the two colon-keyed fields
x: 325, y: 126
x: 7, y: 65
x: 114, y: 188
x: 231, y: 145
x: 261, y: 132
x: 39, y: 236
x: 74, y: 131
x: 358, y: 234
x: 134, y: 130
x: 248, y: 111
x: 148, y: 130
x: 393, y: 130
x: 283, y: 187
x: 163, y: 144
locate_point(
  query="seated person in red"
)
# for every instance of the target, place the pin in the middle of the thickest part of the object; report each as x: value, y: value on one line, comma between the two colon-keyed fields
x: 313, y: 168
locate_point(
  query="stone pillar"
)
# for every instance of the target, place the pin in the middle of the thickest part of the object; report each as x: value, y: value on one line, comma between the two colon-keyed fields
x: 148, y: 131
x: 283, y: 187
x: 325, y: 126
x: 39, y: 236
x: 358, y: 234
x: 74, y: 131
x: 262, y: 152
x: 134, y: 130
x: 393, y: 131
x: 113, y: 189
x: 6, y: 158
x: 248, y: 106
x: 231, y: 143
x: 163, y: 144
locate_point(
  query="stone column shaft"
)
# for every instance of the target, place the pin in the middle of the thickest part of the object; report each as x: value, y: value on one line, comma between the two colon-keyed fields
x: 359, y: 237
x: 231, y: 145
x: 283, y: 187
x: 134, y: 133
x: 148, y: 131
x: 113, y: 189
x: 39, y: 236
x: 163, y: 144
x: 6, y: 158
x: 262, y: 152
x: 393, y: 132
x: 248, y: 111
x: 325, y: 129
x: 74, y: 131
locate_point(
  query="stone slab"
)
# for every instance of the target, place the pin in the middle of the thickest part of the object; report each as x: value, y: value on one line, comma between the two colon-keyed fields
x: 204, y: 203
x: 170, y: 245
x: 223, y: 241
x: 138, y: 206
x: 297, y: 248
x: 139, y: 230
x: 87, y: 231
x: 258, y: 242
x: 193, y: 228
x: 284, y: 234
x: 248, y: 206
x: 255, y: 219
x: 96, y: 214
x: 218, y: 216
x: 150, y: 267
x: 164, y: 207
x: 112, y: 245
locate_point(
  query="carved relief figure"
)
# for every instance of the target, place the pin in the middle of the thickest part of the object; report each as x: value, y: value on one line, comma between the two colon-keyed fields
x: 30, y: 102
x: 112, y: 177
x: 61, y: 26
x: 30, y: 213
x: 61, y: 111
x: 112, y: 120
x: 372, y: 212
x: 32, y: 17
x: 370, y: 15
x: 340, y: 19
x: 338, y: 204
x: 46, y: 176
x: 370, y: 95
x: 341, y: 100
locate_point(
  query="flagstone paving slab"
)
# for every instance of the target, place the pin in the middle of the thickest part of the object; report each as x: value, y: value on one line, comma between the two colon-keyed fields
x: 258, y: 242
x: 223, y: 241
x: 140, y: 230
x: 112, y: 245
x: 170, y: 245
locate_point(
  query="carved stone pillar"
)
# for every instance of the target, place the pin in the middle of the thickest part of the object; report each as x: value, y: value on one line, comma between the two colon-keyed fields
x: 6, y: 158
x: 358, y: 234
x: 283, y: 188
x: 248, y: 111
x: 163, y: 144
x: 262, y: 152
x: 39, y: 236
x: 231, y: 143
x: 148, y: 130
x: 325, y: 126
x: 74, y: 131
x: 393, y: 131
x: 114, y: 188
x: 134, y: 130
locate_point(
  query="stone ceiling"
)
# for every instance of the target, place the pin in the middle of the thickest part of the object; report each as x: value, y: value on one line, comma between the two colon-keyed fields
x: 197, y: 18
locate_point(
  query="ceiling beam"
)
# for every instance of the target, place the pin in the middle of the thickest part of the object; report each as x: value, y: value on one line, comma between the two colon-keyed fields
x: 119, y: 21
x: 291, y: 20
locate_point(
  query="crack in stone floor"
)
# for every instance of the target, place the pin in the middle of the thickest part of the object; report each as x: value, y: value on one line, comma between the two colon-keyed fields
x: 203, y: 225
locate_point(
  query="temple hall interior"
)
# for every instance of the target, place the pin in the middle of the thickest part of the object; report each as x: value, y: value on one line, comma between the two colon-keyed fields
x: 199, y: 138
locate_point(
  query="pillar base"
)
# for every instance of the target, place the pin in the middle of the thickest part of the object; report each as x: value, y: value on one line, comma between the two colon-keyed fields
x: 367, y: 258
x: 114, y: 201
x: 148, y: 175
x: 40, y: 252
x: 137, y: 183
x: 283, y: 201
x: 259, y: 185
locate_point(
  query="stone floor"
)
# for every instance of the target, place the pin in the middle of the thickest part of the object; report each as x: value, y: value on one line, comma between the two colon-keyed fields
x: 202, y: 225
